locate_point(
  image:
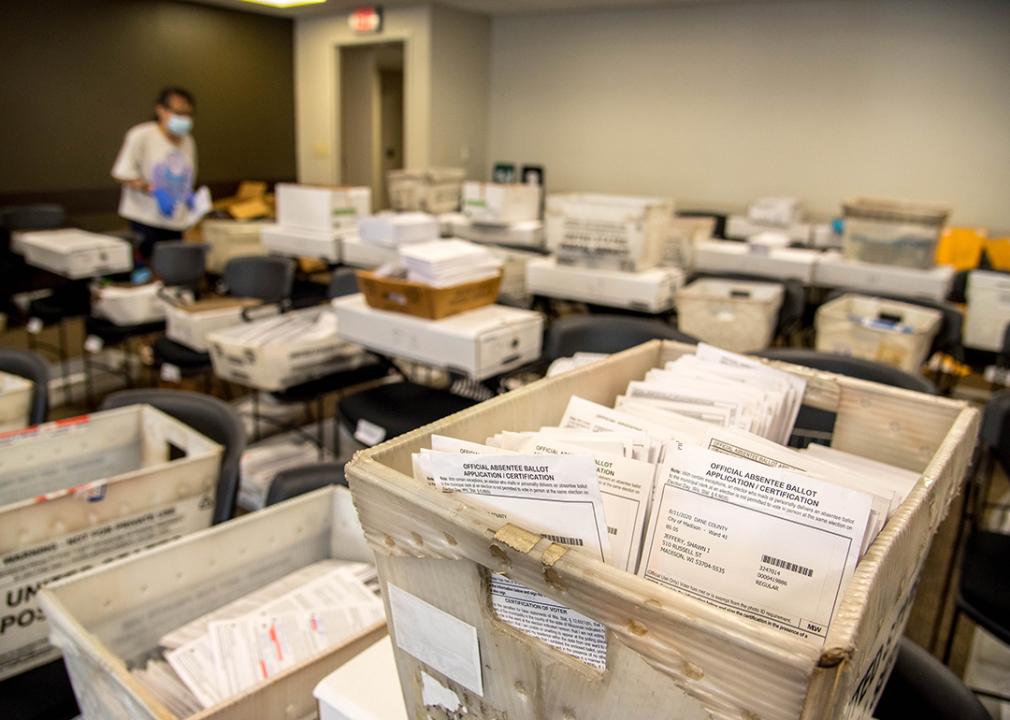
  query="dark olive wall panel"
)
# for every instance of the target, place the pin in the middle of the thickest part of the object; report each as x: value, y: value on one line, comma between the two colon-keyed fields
x: 76, y: 74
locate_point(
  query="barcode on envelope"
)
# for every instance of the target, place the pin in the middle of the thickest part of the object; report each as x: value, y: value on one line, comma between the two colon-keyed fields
x: 786, y: 565
x: 565, y: 540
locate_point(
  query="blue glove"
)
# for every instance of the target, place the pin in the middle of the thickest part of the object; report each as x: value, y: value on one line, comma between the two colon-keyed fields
x: 166, y: 203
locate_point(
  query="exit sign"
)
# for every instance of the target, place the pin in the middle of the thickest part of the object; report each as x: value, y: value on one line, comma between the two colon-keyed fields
x: 366, y: 20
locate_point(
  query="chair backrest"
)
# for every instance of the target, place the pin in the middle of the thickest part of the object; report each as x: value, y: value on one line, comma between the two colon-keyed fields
x: 921, y: 686
x: 299, y: 480
x: 267, y: 278
x: 604, y: 334
x: 343, y: 282
x: 207, y: 415
x: 31, y: 366
x: 33, y: 217
x: 851, y: 367
x: 179, y: 263
x: 793, y: 296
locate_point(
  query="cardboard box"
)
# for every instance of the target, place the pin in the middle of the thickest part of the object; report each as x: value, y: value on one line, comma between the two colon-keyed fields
x: 363, y: 255
x: 228, y: 239
x: 833, y: 270
x: 478, y: 343
x: 501, y: 203
x: 393, y: 230
x: 431, y: 190
x: 611, y: 232
x: 297, y: 242
x: 76, y: 254
x: 665, y: 650
x: 321, y: 208
x: 81, y: 492
x: 885, y: 331
x: 364, y: 688
x: 124, y: 304
x: 988, y: 310
x: 728, y: 256
x: 738, y: 316
x: 15, y: 401
x: 741, y: 227
x: 250, y: 202
x: 425, y: 301
x: 279, y: 352
x: 645, y: 291
x: 528, y: 234
x: 111, y: 618
x: 190, y: 324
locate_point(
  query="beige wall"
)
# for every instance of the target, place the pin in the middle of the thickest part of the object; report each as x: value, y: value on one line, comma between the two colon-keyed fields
x: 317, y: 91
x: 715, y: 104
x: 460, y: 67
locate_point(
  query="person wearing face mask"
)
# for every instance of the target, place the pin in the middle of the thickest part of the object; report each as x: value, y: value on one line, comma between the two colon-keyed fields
x: 156, y: 168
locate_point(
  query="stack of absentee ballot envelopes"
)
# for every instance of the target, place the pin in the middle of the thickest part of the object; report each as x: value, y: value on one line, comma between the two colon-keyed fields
x: 687, y: 483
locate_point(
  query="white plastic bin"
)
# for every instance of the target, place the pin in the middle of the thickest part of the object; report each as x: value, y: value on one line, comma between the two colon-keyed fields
x: 189, y: 324
x: 110, y: 620
x: 81, y: 492
x: 501, y: 203
x: 128, y: 304
x: 227, y: 239
x: 432, y: 190
x: 76, y: 254
x: 988, y: 309
x: 15, y: 401
x: 611, y: 232
x: 738, y: 316
x: 892, y: 232
x: 886, y: 331
x: 279, y: 352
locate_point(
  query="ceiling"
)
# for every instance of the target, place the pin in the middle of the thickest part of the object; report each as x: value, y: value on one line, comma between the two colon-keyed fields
x: 488, y: 7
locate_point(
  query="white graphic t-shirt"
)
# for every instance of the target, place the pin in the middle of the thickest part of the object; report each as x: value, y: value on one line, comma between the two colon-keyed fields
x: 169, y: 168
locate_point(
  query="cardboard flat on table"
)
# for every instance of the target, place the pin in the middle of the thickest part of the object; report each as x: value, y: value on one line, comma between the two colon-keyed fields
x: 478, y: 343
x: 142, y: 598
x: 664, y: 649
x: 125, y: 304
x: 15, y: 401
x: 646, y: 291
x: 81, y: 492
x: 528, y: 234
x: 988, y: 309
x: 298, y: 242
x: 320, y: 207
x: 227, y: 239
x: 412, y: 298
x: 834, y: 271
x: 362, y: 255
x: 614, y: 232
x: 725, y: 256
x: 189, y: 324
x: 76, y: 253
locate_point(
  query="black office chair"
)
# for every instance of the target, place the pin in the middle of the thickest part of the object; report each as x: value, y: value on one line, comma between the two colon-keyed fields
x: 983, y: 592
x: 343, y: 282
x: 263, y: 278
x: 303, y: 479
x: 920, y: 686
x: 42, y: 693
x: 790, y: 317
x: 26, y: 364
x: 207, y: 415
x: 398, y: 407
x: 604, y: 334
x: 815, y: 425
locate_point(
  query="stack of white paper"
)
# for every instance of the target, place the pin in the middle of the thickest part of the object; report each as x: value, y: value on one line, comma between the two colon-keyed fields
x: 448, y: 262
x: 686, y: 483
x: 255, y: 637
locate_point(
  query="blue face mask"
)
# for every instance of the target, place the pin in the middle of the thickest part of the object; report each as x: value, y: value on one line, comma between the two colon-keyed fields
x: 179, y: 125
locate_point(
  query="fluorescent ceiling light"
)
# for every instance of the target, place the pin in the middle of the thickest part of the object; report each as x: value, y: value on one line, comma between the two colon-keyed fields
x: 285, y: 3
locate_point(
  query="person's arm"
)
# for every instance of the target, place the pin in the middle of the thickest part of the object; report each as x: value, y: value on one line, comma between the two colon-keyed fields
x: 127, y: 168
